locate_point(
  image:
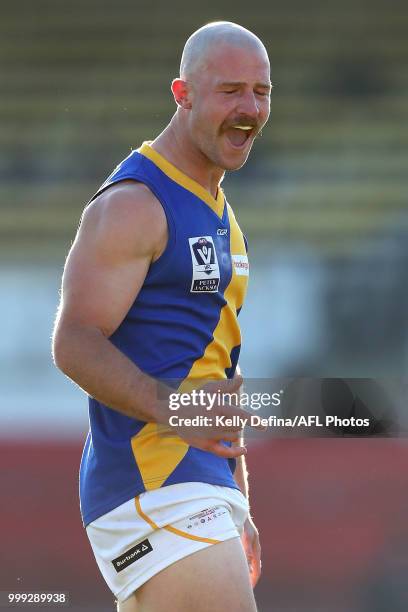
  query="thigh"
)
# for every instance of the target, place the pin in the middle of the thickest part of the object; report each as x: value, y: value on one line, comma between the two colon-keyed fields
x: 214, y: 579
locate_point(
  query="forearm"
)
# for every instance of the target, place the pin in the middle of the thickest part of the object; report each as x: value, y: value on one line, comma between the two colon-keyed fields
x: 241, y: 472
x: 241, y: 475
x: 87, y: 357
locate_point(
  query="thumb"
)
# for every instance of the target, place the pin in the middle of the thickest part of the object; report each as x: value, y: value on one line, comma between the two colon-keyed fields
x: 229, y: 385
x: 224, y: 385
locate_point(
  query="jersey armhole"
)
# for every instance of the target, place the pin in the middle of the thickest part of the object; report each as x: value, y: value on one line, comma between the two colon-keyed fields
x: 165, y: 257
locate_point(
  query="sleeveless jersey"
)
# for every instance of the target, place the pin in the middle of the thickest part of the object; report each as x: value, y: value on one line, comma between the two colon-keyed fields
x: 182, y: 325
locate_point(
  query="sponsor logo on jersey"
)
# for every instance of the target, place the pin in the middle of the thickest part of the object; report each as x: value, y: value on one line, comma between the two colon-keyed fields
x: 206, y: 271
x: 222, y: 231
x: 241, y: 264
x: 132, y: 555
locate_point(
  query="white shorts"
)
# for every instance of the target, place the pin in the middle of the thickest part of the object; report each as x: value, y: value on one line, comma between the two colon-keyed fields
x: 144, y: 535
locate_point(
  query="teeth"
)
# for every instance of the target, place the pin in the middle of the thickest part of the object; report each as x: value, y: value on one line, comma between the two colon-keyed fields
x: 242, y: 127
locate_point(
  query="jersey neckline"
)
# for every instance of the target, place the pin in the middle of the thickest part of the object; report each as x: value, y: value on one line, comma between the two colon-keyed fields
x: 216, y: 204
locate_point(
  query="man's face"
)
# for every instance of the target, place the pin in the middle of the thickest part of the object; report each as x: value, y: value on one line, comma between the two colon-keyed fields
x: 229, y: 92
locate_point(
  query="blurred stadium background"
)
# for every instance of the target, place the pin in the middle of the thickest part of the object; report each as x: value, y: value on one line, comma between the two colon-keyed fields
x: 323, y: 203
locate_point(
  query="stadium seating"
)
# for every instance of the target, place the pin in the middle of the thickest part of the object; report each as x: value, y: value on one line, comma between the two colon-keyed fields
x: 87, y: 81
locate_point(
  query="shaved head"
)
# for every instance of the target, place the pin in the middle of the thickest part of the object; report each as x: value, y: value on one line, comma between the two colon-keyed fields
x: 222, y: 95
x: 200, y: 44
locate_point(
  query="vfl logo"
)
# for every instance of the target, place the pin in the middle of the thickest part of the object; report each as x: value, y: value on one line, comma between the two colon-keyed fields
x: 206, y: 272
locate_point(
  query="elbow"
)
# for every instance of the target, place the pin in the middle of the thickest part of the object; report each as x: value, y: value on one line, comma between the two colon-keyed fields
x: 60, y: 350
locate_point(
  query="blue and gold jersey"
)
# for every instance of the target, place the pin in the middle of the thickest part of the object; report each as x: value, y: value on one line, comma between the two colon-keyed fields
x: 182, y: 325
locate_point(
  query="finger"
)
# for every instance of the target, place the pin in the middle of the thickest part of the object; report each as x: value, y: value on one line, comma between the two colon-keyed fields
x: 226, y: 385
x: 232, y: 384
x: 255, y: 569
x: 259, y: 427
x: 228, y: 452
x: 251, y: 565
x: 244, y: 416
x: 231, y: 436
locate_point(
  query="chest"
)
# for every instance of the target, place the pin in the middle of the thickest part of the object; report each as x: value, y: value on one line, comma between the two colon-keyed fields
x: 207, y: 255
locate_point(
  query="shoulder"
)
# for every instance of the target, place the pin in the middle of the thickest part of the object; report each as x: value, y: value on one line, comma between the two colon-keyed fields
x: 125, y: 202
x: 127, y: 214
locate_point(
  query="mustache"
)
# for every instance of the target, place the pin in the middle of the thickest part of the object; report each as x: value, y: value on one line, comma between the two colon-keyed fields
x: 244, y: 120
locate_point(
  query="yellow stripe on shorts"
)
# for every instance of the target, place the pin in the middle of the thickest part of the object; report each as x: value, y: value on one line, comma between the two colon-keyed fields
x: 170, y: 528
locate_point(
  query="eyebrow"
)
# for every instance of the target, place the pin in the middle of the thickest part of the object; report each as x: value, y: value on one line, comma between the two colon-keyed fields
x: 240, y: 83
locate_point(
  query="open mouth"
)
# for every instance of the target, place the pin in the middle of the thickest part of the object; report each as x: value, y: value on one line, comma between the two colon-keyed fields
x: 238, y: 135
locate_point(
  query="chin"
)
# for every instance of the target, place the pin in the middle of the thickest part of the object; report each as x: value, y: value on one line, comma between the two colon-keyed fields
x: 228, y: 162
x: 232, y: 165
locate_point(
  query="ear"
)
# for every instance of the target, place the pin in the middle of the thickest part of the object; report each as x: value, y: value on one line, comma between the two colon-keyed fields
x: 181, y: 93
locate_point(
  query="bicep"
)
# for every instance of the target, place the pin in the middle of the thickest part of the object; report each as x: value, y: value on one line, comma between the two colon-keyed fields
x: 97, y: 292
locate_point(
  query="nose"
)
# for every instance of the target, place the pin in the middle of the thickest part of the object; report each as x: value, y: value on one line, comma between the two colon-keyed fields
x: 248, y: 104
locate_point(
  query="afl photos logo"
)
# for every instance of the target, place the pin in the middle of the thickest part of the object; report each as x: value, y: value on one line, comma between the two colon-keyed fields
x: 206, y: 272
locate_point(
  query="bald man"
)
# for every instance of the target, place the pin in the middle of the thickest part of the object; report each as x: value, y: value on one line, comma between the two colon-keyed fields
x: 151, y: 293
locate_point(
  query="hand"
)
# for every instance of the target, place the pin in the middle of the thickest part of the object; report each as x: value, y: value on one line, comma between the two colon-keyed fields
x: 210, y: 432
x: 252, y: 547
x: 211, y: 437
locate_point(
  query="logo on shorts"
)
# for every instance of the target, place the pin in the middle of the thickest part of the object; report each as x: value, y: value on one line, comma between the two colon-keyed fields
x: 132, y: 555
x: 205, y: 516
x: 206, y: 272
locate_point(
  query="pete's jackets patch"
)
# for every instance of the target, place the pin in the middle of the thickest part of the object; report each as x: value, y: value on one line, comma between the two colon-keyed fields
x: 206, y: 271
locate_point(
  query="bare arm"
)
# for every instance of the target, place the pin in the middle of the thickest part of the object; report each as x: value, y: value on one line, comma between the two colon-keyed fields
x: 121, y: 233
x: 250, y: 534
x: 241, y: 472
x: 241, y: 475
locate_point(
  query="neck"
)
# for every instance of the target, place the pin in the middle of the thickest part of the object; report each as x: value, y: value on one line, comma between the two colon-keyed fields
x: 178, y: 149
